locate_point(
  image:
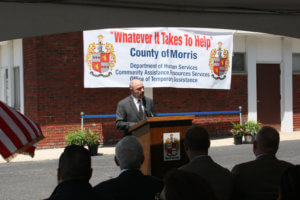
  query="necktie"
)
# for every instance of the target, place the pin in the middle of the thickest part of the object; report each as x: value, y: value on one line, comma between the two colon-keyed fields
x: 141, y: 112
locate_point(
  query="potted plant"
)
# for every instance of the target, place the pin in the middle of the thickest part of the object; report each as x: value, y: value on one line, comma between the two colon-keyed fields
x: 93, y: 141
x: 251, y: 128
x: 76, y: 137
x: 237, y: 131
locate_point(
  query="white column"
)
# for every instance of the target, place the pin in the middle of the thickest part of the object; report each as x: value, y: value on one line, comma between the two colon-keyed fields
x: 286, y: 86
x: 10, y: 72
x: 251, y: 68
x: 19, y: 51
x: 149, y: 92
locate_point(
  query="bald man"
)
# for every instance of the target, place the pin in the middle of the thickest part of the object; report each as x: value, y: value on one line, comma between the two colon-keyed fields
x: 260, y: 178
x: 134, y: 108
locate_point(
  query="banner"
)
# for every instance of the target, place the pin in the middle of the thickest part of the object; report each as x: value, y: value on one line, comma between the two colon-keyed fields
x: 160, y: 57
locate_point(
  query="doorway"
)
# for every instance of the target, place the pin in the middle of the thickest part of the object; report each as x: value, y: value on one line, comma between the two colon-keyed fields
x: 268, y: 94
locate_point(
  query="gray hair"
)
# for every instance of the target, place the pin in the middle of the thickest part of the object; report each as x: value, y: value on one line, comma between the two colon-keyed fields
x: 129, y: 153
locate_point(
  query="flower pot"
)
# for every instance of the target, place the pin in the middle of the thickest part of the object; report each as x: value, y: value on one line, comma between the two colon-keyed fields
x: 93, y: 149
x: 238, y: 139
x: 248, y: 138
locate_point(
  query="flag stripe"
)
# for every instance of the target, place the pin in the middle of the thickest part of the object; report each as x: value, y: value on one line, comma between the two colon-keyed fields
x: 30, y: 125
x: 14, y: 123
x: 4, y: 151
x: 10, y: 133
x: 9, y: 146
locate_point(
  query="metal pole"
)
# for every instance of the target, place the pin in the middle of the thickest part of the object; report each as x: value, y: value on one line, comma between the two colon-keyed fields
x: 240, y: 108
x: 82, y: 113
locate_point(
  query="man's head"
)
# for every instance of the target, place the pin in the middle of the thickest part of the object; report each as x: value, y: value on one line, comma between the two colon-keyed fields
x: 196, y: 141
x: 129, y: 153
x: 74, y: 163
x: 137, y: 88
x: 266, y: 141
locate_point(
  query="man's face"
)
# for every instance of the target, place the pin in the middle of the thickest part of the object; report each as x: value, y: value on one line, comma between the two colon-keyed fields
x: 137, y: 89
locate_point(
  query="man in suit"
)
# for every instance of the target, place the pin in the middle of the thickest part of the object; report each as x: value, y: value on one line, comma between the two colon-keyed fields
x: 134, y: 108
x: 73, y: 175
x: 131, y: 183
x: 260, y: 178
x: 196, y: 144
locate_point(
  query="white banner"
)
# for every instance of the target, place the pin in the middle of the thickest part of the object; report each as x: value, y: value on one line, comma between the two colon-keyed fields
x: 160, y: 57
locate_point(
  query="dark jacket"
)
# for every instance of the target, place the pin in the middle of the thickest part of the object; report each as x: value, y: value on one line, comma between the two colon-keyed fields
x: 258, y: 179
x: 217, y: 176
x: 129, y: 185
x: 127, y: 114
x: 73, y: 190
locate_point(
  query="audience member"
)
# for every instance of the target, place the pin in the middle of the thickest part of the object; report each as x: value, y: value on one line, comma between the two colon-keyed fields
x: 73, y: 175
x: 183, y: 185
x: 196, y: 144
x: 260, y: 178
x: 290, y: 184
x: 131, y: 184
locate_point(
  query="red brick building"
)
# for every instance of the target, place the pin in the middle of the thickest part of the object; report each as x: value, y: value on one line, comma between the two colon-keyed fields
x: 54, y: 95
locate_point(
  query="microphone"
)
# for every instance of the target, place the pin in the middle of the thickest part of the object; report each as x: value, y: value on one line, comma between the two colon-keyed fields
x: 145, y: 108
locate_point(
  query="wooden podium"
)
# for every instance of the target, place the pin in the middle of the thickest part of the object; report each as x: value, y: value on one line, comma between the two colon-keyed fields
x: 151, y: 133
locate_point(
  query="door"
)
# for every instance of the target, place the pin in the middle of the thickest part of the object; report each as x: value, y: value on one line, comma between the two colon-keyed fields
x: 268, y: 94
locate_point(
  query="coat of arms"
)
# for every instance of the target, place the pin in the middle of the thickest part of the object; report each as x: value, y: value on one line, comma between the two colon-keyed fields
x: 171, y: 146
x: 100, y: 62
x: 219, y: 62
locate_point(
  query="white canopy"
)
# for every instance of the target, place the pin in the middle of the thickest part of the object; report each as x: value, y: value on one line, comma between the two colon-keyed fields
x: 20, y: 19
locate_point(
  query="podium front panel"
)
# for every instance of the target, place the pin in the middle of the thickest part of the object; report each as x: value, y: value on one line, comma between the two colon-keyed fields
x: 150, y: 134
x: 159, y: 167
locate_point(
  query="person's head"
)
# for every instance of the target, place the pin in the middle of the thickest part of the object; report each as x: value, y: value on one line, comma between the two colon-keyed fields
x: 74, y: 163
x: 137, y: 88
x: 196, y: 141
x: 266, y: 141
x: 181, y: 185
x: 129, y: 153
x: 290, y: 184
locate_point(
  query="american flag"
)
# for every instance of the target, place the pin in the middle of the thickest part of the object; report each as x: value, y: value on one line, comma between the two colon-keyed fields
x: 18, y: 133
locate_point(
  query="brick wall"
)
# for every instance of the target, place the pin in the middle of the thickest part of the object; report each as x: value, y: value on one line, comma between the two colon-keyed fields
x: 296, y: 102
x: 54, y: 94
x: 205, y: 100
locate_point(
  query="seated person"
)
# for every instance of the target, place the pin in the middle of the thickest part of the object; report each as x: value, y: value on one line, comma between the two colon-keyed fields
x: 290, y: 184
x: 73, y: 175
x: 196, y: 145
x: 260, y: 178
x: 183, y: 185
x: 131, y: 184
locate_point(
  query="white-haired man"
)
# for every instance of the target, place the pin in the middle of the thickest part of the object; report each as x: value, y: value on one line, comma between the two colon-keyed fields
x: 134, y: 108
x: 131, y: 184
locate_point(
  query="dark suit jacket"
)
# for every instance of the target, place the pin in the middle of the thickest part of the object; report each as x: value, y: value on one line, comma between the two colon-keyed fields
x: 127, y: 114
x: 258, y: 179
x: 129, y: 185
x: 73, y: 190
x: 217, y: 176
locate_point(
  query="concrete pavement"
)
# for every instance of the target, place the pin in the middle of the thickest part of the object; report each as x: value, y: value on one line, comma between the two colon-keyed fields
x: 51, y: 154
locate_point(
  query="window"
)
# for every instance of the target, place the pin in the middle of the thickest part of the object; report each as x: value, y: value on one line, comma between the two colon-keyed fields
x: 296, y: 62
x: 16, y: 91
x: 238, y: 63
x: 6, y: 88
x: 11, y: 74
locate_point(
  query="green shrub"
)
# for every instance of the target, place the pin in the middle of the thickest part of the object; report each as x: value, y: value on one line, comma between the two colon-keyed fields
x: 252, y: 127
x: 76, y: 137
